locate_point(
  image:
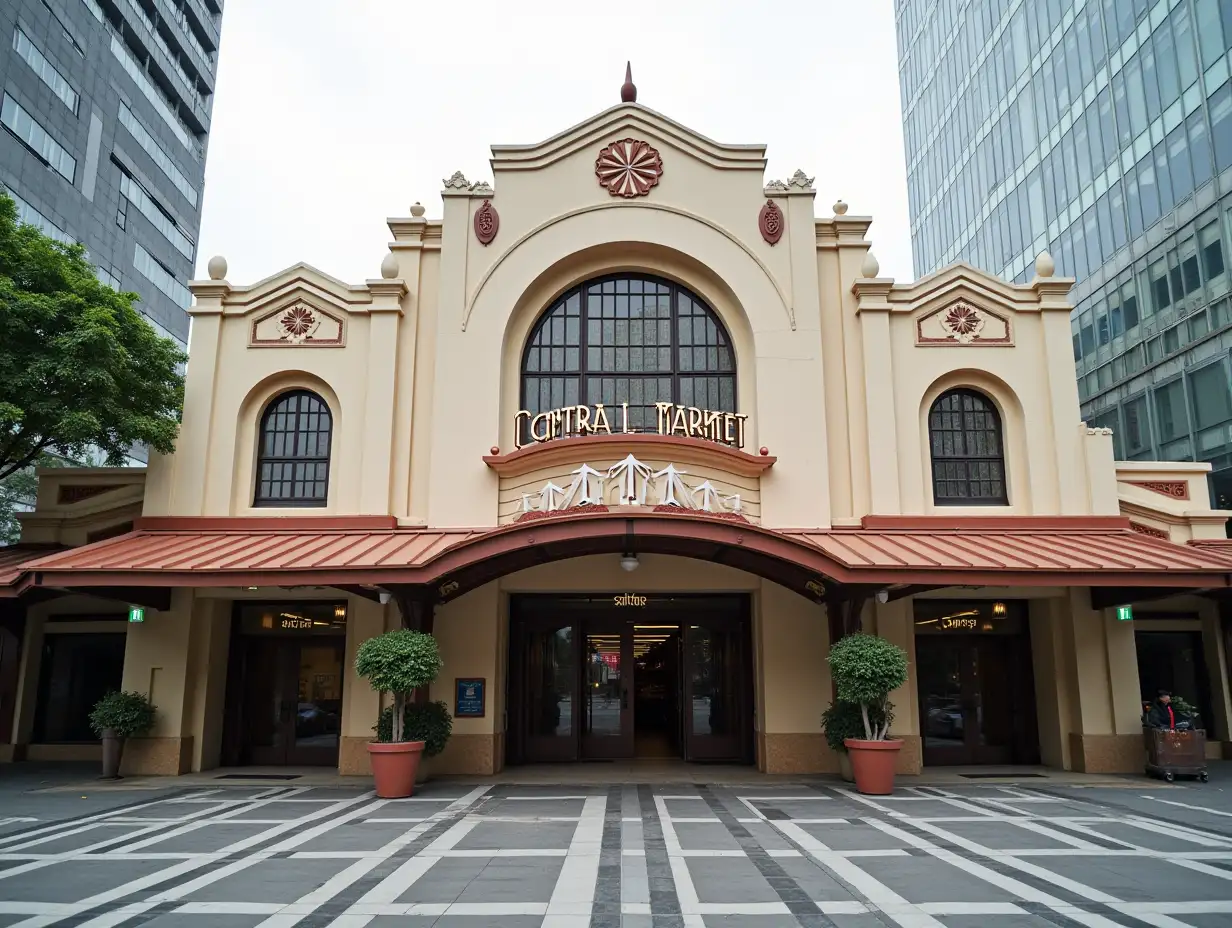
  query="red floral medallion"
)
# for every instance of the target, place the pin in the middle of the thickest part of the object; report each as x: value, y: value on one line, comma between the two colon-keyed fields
x: 770, y: 222
x: 628, y: 168
x: 964, y: 323
x: 487, y: 223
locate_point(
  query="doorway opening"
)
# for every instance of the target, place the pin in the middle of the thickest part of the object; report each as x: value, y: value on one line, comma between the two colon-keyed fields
x: 976, y: 685
x: 609, y: 677
x: 284, y: 685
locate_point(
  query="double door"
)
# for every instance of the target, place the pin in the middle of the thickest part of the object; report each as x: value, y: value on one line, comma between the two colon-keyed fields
x: 977, y: 701
x: 591, y: 685
x: 291, y: 707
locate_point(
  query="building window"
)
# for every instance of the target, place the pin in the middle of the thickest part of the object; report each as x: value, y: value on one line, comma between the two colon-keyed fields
x: 47, y: 72
x: 293, y: 458
x: 152, y: 210
x: 964, y: 432
x: 156, y: 152
x: 157, y: 273
x: 37, y: 139
x: 629, y: 339
x: 76, y: 671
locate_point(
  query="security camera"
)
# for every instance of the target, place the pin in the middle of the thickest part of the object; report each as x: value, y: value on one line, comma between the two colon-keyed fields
x: 883, y: 596
x: 385, y: 597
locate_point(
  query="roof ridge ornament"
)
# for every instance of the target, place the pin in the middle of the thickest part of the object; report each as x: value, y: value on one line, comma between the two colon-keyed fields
x: 628, y: 90
x: 457, y: 182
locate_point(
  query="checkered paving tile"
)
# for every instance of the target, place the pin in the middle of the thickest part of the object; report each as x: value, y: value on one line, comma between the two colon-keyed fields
x: 625, y: 856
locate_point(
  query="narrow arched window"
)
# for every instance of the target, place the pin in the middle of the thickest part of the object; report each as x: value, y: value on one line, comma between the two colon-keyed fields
x: 964, y: 434
x: 293, y: 454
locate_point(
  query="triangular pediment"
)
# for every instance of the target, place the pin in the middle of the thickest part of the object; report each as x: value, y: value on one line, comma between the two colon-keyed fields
x: 961, y: 281
x: 627, y: 119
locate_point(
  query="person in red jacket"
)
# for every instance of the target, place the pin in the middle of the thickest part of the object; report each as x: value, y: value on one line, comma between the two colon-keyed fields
x: 1162, y: 714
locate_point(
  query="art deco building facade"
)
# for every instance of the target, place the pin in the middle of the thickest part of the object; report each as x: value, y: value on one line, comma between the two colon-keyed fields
x: 636, y: 433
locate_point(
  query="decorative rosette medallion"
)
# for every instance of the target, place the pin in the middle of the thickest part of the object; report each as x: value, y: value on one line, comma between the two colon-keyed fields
x: 770, y: 222
x: 298, y: 324
x: 487, y: 223
x: 964, y: 323
x: 628, y: 168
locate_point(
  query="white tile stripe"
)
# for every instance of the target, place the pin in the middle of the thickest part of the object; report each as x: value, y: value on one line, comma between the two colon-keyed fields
x: 574, y: 892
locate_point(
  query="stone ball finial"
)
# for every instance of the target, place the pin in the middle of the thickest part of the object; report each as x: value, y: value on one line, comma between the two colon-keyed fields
x: 1044, y: 265
x: 389, y: 266
x: 840, y: 208
x: 628, y: 90
x: 217, y: 267
x: 870, y: 268
x: 418, y: 210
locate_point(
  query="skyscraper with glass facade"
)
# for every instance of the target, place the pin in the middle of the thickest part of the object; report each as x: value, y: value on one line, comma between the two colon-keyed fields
x: 1100, y: 131
x: 104, y: 118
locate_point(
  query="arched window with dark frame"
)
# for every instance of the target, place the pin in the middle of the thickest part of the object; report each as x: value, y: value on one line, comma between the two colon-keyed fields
x: 293, y: 451
x: 628, y: 338
x: 968, y: 451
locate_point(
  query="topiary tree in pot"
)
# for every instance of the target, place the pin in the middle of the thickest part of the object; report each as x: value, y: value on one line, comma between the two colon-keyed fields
x: 397, y: 662
x: 429, y: 722
x: 117, y: 717
x: 843, y: 720
x: 866, y: 669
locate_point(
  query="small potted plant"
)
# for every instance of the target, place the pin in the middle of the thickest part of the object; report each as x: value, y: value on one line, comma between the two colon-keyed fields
x: 117, y: 717
x: 397, y: 662
x: 866, y: 669
x: 429, y: 722
x: 843, y: 720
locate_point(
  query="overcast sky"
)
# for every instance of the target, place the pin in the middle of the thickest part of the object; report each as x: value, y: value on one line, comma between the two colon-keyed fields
x: 331, y: 115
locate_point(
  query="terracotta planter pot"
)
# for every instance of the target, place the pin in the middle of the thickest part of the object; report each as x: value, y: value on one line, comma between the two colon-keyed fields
x: 113, y: 750
x: 872, y: 762
x: 394, y: 767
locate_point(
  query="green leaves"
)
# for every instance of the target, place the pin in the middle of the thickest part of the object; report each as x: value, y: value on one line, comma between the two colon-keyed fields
x: 399, y: 661
x: 129, y: 715
x: 865, y: 669
x: 79, y: 366
x: 429, y: 722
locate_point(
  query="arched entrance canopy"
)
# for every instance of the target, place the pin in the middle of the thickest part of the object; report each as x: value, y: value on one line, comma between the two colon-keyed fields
x: 367, y: 554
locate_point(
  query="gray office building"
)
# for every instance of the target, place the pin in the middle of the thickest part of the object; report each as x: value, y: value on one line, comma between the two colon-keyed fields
x: 1101, y: 131
x: 105, y: 111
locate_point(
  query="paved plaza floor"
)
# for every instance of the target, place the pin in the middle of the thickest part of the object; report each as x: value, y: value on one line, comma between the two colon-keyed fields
x: 692, y: 855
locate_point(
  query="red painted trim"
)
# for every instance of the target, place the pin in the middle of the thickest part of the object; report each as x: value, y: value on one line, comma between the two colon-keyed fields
x: 265, y: 523
x: 677, y: 447
x: 1173, y: 489
x: 990, y: 523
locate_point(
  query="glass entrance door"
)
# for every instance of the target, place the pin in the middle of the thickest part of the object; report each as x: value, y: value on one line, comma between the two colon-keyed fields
x: 716, y: 718
x: 607, y: 691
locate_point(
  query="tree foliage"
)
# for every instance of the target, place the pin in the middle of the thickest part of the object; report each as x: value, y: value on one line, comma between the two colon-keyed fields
x: 128, y: 715
x: 866, y: 669
x: 79, y: 367
x: 429, y: 722
x: 398, y: 662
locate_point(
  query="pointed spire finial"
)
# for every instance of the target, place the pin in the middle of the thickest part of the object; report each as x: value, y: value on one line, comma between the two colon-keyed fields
x: 628, y: 91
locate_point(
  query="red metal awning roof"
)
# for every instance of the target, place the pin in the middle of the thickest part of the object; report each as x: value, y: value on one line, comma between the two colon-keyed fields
x: 13, y: 559
x: 370, y: 551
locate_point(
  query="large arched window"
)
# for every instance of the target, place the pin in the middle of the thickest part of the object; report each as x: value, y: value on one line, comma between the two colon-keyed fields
x: 964, y: 433
x: 633, y: 339
x: 293, y: 454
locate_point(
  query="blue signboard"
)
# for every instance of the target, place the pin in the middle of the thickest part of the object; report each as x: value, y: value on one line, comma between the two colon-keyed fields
x: 469, y: 698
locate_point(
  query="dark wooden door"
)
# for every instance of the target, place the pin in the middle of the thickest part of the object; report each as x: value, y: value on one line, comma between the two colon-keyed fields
x: 292, y: 701
x: 544, y: 683
x: 976, y: 700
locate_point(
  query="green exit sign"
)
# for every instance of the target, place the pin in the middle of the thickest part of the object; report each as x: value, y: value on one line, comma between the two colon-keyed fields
x: 1125, y: 613
x: 136, y: 614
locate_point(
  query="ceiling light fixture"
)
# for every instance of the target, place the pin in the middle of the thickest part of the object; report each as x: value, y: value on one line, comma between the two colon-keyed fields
x: 629, y: 563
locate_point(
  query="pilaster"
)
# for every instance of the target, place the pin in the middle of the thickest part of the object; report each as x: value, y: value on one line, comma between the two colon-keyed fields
x: 192, y: 459
x: 384, y: 316
x: 882, y: 431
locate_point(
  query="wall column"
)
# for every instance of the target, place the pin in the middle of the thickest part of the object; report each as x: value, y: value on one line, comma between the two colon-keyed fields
x: 383, y: 318
x: 468, y: 632
x: 208, y: 655
x: 1100, y: 666
x: 361, y: 704
x: 895, y: 624
x: 882, y: 431
x: 793, y: 646
x: 157, y: 662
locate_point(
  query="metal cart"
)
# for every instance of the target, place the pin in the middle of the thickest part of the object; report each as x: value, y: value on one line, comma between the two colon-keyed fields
x: 1171, y: 754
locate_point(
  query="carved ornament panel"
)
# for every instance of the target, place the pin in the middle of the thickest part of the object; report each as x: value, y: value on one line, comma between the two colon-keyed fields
x: 962, y: 323
x: 298, y: 325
